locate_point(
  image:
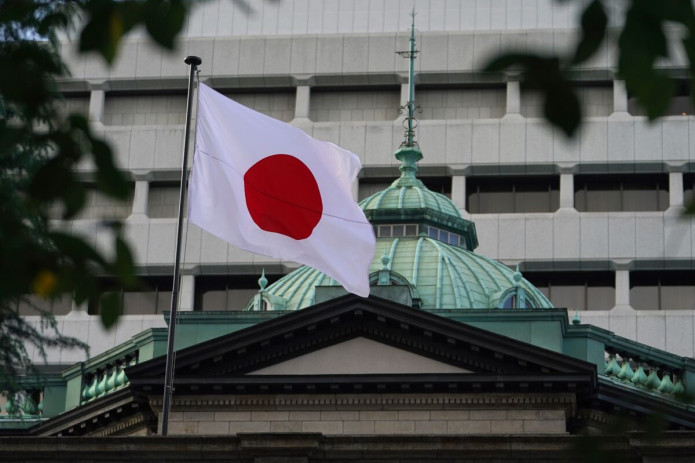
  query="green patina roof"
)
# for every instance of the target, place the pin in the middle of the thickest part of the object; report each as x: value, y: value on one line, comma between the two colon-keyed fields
x: 445, y: 276
x: 439, y: 275
x: 408, y: 192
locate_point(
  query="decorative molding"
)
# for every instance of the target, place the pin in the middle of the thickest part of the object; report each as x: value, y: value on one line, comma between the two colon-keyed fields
x: 371, y: 401
x: 123, y: 427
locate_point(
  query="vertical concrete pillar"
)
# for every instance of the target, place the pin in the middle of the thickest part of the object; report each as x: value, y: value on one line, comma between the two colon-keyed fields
x: 302, y: 102
x: 619, y: 97
x: 458, y: 191
x: 622, y: 287
x: 513, y: 97
x: 356, y: 189
x: 675, y: 189
x: 140, y: 198
x: 566, y: 191
x: 97, y: 98
x: 187, y: 293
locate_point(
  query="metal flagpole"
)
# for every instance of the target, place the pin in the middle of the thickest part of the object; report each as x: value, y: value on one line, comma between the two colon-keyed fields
x: 193, y: 62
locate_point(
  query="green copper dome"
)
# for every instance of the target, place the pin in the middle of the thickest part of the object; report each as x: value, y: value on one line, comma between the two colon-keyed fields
x: 424, y: 257
x: 408, y: 192
x: 439, y: 275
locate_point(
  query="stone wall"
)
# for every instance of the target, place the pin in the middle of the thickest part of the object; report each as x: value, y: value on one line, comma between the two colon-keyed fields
x: 372, y: 414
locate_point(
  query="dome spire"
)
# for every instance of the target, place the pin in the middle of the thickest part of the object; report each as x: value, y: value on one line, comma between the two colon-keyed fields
x: 411, y: 55
x: 409, y: 153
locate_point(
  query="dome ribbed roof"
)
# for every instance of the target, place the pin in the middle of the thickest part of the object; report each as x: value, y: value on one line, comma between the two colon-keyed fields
x: 446, y: 277
x: 409, y: 195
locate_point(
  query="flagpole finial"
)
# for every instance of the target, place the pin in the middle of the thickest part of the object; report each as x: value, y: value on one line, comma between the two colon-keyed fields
x: 194, y: 60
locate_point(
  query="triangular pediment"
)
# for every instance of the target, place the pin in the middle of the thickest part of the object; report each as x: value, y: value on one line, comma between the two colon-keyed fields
x: 330, y: 344
x: 358, y: 356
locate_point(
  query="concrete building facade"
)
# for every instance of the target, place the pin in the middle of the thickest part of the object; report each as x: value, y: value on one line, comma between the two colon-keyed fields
x: 595, y: 222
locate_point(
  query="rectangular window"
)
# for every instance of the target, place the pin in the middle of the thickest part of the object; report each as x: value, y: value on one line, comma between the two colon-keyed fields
x: 440, y: 103
x: 361, y: 104
x: 60, y: 305
x: 688, y: 189
x: 97, y: 206
x: 596, y: 99
x: 681, y: 104
x: 163, y: 200
x: 588, y: 290
x: 152, y: 297
x: 226, y: 292
x: 621, y: 193
x: 144, y: 109
x: 501, y: 195
x: 276, y: 103
x: 662, y: 290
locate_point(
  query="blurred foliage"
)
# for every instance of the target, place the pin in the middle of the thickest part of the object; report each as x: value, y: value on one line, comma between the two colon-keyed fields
x: 643, y: 53
x: 40, y: 148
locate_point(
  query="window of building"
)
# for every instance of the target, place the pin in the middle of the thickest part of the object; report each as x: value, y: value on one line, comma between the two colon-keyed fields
x: 97, y: 207
x: 662, y: 290
x: 412, y: 230
x: 589, y: 290
x: 370, y: 185
x: 441, y: 103
x: 226, y: 292
x: 502, y: 195
x: 688, y: 189
x: 153, y: 297
x: 354, y: 104
x: 396, y: 230
x: 73, y: 103
x: 144, y: 109
x: 596, y: 99
x: 276, y: 103
x: 59, y: 305
x: 621, y: 193
x: 163, y: 200
x: 681, y: 103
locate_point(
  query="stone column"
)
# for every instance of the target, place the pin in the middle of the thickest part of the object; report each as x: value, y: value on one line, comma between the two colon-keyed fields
x: 619, y: 97
x: 622, y: 287
x: 675, y: 189
x: 302, y: 102
x: 566, y: 191
x: 458, y: 191
x: 513, y: 97
x: 97, y: 98
x: 187, y: 293
x: 140, y: 199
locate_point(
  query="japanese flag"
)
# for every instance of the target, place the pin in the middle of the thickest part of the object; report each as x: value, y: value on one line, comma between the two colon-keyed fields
x: 269, y: 188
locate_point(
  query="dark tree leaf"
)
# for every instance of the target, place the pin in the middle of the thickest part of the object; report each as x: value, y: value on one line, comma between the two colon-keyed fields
x: 543, y: 74
x: 164, y: 20
x: 124, y: 266
x: 110, y: 180
x: 594, y: 22
x: 76, y: 248
x: 109, y: 308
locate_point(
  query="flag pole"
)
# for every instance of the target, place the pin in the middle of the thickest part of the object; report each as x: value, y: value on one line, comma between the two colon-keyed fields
x: 193, y: 62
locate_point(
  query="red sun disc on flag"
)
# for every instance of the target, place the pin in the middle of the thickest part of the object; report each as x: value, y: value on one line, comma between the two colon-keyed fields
x: 282, y: 196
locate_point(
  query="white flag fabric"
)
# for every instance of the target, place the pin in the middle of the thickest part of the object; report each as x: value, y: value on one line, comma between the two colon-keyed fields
x: 269, y: 188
